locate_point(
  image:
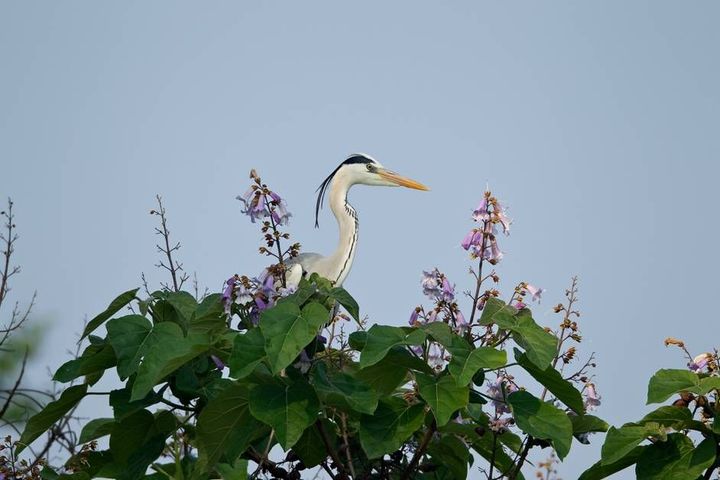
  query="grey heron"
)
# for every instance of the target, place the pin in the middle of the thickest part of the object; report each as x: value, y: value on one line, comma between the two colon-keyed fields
x: 357, y: 169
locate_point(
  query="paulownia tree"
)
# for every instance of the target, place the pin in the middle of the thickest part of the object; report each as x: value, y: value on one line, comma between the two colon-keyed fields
x: 268, y: 379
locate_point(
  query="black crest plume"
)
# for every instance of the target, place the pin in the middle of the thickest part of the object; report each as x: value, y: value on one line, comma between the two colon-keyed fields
x: 352, y: 159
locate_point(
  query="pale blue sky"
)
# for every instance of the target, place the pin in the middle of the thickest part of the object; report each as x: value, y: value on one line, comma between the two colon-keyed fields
x: 596, y: 122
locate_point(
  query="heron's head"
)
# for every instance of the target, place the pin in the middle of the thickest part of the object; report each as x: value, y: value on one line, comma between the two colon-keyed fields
x: 360, y: 168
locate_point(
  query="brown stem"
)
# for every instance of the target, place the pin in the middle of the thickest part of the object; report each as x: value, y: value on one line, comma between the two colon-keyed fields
x: 9, y: 240
x: 568, y: 311
x: 173, y: 267
x: 492, y: 455
x: 268, y: 465
x: 523, y: 455
x: 15, y: 387
x: 347, y: 445
x: 419, y: 452
x: 276, y: 237
x: 327, y: 469
x: 476, y: 297
x: 331, y: 451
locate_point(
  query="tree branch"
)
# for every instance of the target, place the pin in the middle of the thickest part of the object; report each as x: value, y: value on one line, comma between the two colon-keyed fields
x: 179, y: 277
x: 419, y: 452
x: 15, y: 387
x: 331, y: 451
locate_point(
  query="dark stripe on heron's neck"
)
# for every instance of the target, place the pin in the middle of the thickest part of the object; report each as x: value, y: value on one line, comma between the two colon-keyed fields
x: 353, y: 240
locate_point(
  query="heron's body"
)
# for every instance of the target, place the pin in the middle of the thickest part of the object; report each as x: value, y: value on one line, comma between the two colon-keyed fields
x: 357, y: 169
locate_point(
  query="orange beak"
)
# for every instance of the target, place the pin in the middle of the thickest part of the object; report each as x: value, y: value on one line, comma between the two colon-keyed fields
x: 400, y: 180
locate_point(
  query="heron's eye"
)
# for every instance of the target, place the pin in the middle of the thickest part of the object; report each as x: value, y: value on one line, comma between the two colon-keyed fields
x: 369, y: 167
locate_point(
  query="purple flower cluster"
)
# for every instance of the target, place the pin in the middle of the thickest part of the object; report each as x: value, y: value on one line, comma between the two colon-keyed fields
x: 535, y: 292
x: 441, y: 292
x: 437, y: 287
x: 262, y: 203
x: 525, y: 289
x: 255, y: 295
x: 700, y: 362
x: 592, y: 399
x: 481, y: 241
x: 499, y: 390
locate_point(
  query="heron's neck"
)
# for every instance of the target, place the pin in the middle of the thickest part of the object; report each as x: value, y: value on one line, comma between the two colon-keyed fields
x: 347, y: 220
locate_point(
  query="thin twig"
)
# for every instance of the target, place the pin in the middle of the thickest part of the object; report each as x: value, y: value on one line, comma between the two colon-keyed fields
x: 269, y: 465
x: 521, y: 460
x: 479, y: 277
x: 347, y: 445
x: 15, y: 387
x: 178, y: 275
x: 9, y: 238
x: 264, y: 455
x: 17, y: 319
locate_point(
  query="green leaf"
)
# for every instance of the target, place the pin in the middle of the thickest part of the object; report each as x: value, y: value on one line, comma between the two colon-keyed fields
x: 441, y: 333
x: 357, y: 340
x: 138, y: 440
x: 311, y: 447
x: 122, y: 406
x: 494, y: 453
x: 130, y: 433
x: 554, y: 382
x: 466, y: 361
x: 248, y: 351
x: 95, y: 359
x: 287, y: 331
x: 542, y: 420
x: 708, y: 384
x: 599, y: 470
x: 289, y: 409
x: 209, y: 316
x: 226, y: 427
x: 347, y: 301
x: 72, y: 476
x: 53, y: 411
x: 381, y: 338
x: 404, y: 358
x: 390, y: 426
x: 95, y: 464
x: 114, y: 307
x: 342, y: 390
x: 671, y: 416
x: 676, y: 458
x: 497, y: 312
x: 96, y: 428
x: 540, y: 346
x: 161, y: 311
x: 443, y: 395
x: 236, y: 471
x: 512, y: 441
x: 621, y: 441
x: 170, y: 352
x: 667, y: 382
x: 183, y: 303
x: 588, y: 423
x: 48, y: 473
x: 131, y: 337
x: 392, y: 371
x: 451, y: 452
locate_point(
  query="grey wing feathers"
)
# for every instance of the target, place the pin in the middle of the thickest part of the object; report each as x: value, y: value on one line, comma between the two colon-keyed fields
x: 304, y: 260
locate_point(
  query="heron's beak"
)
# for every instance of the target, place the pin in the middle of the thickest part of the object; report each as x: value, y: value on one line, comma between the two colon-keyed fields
x: 400, y: 180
